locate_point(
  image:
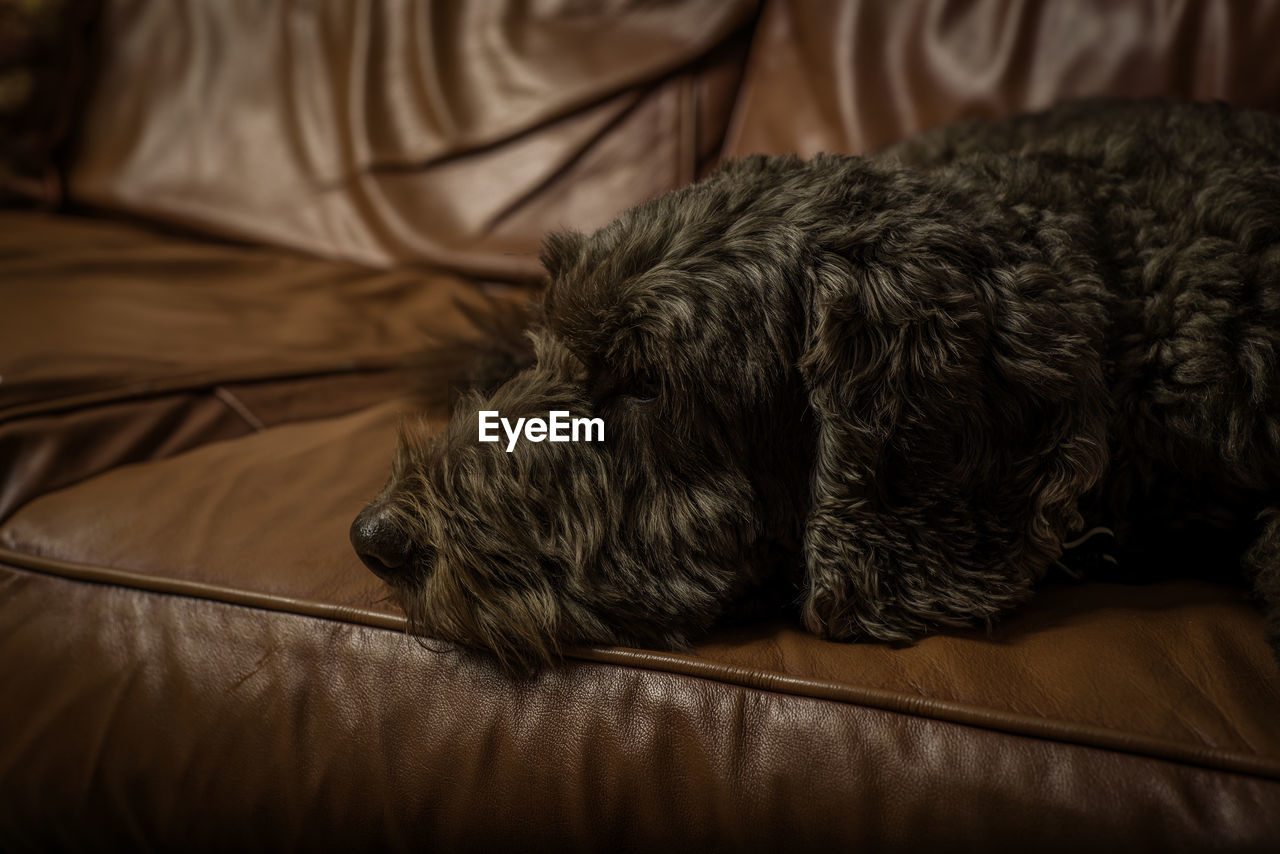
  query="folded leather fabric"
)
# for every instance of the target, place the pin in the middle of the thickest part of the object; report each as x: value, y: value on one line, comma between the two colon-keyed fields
x: 450, y: 133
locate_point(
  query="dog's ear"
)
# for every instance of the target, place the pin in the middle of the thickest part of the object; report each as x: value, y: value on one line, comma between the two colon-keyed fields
x: 560, y: 251
x: 564, y: 255
x: 957, y: 385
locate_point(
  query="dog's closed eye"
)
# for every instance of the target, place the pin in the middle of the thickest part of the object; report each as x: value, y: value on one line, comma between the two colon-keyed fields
x: 608, y: 387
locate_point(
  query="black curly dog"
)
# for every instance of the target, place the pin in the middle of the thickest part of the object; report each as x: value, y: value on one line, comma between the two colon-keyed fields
x: 896, y: 383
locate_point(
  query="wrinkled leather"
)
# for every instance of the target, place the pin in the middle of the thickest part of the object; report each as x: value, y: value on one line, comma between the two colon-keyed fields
x: 47, y: 451
x: 170, y: 722
x: 191, y: 655
x: 392, y: 131
x: 119, y: 343
x: 96, y: 311
x: 852, y: 76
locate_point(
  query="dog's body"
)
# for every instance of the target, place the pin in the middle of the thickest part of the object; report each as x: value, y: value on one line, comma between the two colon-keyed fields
x: 901, y: 382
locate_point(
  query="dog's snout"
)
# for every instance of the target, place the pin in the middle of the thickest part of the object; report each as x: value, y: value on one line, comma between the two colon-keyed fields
x: 379, y: 542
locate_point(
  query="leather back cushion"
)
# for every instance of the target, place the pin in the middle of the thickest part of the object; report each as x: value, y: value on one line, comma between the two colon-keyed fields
x: 852, y: 76
x: 459, y: 134
x: 388, y: 132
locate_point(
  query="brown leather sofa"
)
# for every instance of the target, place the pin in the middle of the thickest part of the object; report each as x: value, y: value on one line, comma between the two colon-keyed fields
x: 269, y: 207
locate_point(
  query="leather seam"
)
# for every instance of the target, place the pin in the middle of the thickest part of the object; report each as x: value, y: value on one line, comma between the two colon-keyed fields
x: 1009, y: 723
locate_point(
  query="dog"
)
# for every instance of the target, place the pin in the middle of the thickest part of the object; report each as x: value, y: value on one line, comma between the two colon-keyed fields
x: 890, y: 387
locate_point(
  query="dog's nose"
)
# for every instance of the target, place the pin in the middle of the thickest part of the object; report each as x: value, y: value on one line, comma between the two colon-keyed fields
x: 379, y: 543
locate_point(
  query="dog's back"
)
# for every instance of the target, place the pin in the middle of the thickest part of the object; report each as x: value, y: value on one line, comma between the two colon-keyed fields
x: 1183, y: 209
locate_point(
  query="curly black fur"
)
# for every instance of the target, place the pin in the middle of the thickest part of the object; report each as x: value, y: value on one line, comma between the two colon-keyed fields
x: 917, y: 373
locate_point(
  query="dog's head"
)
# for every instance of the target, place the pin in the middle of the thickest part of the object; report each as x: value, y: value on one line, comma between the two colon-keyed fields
x: 804, y: 354
x: 675, y: 333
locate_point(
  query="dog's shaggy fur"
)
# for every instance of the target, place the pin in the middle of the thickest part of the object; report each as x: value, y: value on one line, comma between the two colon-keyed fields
x: 896, y: 383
